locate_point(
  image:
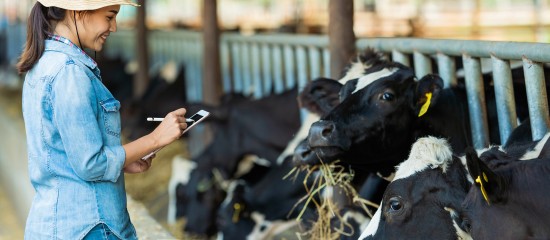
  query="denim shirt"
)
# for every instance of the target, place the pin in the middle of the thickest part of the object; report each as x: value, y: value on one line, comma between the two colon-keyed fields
x: 75, y: 154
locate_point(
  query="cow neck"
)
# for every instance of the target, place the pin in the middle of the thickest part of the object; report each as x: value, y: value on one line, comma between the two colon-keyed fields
x: 448, y: 119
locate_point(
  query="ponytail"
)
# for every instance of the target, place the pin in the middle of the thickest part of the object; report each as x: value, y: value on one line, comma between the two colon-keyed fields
x: 38, y: 28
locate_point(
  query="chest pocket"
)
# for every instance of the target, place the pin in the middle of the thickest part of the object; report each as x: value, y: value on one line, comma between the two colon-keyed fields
x: 111, y: 116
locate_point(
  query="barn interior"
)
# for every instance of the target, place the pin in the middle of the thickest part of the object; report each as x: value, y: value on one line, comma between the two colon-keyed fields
x: 217, y: 54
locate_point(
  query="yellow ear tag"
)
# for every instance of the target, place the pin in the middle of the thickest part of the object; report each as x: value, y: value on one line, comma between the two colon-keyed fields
x: 483, y: 192
x: 237, y: 213
x: 424, y: 108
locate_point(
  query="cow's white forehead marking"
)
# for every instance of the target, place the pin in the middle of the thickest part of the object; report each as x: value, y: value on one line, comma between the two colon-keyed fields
x: 460, y: 234
x: 356, y: 70
x: 366, y: 80
x: 536, y: 151
x: 426, y: 152
x: 373, y: 224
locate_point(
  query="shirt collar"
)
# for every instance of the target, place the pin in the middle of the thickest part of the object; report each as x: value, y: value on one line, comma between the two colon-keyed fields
x: 59, y: 43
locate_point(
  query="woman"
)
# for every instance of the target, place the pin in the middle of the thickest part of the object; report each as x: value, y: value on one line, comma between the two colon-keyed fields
x: 72, y: 123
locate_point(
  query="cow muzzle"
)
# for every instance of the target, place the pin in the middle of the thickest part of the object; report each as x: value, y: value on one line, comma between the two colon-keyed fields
x: 324, y: 141
x: 322, y: 134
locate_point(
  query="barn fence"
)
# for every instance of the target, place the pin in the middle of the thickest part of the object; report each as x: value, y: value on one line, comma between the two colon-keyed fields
x: 260, y: 65
x: 500, y: 54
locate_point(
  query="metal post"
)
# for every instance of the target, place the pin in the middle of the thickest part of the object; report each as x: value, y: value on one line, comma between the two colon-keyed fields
x: 476, y: 102
x: 504, y: 97
x: 536, y: 98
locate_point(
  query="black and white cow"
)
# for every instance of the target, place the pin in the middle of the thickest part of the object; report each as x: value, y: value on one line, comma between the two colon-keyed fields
x: 256, y: 210
x: 509, y: 202
x: 383, y: 112
x: 431, y: 182
x: 260, y: 127
x: 425, y: 199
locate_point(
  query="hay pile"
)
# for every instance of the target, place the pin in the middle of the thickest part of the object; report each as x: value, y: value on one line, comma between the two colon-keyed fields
x: 328, y: 177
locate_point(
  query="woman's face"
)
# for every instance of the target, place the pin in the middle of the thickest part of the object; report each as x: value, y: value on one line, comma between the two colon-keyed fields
x: 95, y: 26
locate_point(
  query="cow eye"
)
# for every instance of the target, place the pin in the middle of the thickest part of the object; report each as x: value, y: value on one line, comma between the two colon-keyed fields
x: 395, y: 204
x: 387, y: 96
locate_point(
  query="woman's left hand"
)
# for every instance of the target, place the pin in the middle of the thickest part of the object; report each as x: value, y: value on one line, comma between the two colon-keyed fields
x: 139, y: 166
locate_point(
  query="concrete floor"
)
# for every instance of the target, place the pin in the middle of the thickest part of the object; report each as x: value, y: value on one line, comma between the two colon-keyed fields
x: 10, y: 226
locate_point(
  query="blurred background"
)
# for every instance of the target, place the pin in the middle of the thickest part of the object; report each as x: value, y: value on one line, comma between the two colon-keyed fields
x: 159, y: 59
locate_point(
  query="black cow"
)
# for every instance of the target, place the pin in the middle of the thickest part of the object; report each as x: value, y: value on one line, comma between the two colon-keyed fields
x: 508, y: 202
x: 260, y: 127
x: 255, y: 209
x: 425, y: 198
x: 116, y: 78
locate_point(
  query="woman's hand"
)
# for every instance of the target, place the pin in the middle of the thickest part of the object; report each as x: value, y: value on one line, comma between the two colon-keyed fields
x: 170, y: 128
x: 139, y: 166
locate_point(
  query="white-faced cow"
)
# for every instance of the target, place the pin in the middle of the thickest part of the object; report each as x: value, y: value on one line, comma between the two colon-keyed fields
x: 426, y: 198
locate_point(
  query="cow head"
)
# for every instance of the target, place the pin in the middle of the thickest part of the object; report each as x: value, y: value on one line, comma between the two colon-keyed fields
x: 233, y: 218
x: 508, y: 202
x: 177, y: 187
x: 205, y: 191
x: 376, y: 119
x: 425, y: 194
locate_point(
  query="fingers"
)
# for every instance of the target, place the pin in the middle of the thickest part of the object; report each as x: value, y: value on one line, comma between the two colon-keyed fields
x: 148, y: 162
x: 179, y: 112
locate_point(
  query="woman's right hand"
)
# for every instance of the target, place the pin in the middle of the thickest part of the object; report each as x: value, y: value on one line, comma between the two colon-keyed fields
x: 170, y: 129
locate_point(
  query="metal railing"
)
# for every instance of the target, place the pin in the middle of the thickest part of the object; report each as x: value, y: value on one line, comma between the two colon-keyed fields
x: 263, y: 64
x: 533, y: 56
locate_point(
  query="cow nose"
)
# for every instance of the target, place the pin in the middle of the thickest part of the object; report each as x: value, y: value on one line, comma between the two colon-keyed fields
x: 321, y: 133
x: 303, y: 155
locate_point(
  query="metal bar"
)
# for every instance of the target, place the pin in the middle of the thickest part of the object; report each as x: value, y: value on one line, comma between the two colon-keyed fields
x: 302, y: 66
x: 237, y: 66
x: 247, y: 72
x: 190, y: 72
x: 326, y: 62
x: 400, y: 57
x: 281, y: 38
x: 447, y: 69
x: 422, y: 64
x: 256, y: 80
x: 536, y: 98
x: 278, y: 68
x: 226, y: 68
x: 476, y: 102
x: 267, y: 56
x: 537, y: 52
x: 314, y: 62
x: 504, y: 98
x: 290, y: 67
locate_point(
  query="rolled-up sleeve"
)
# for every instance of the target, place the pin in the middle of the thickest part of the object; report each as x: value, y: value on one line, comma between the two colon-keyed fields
x: 75, y: 109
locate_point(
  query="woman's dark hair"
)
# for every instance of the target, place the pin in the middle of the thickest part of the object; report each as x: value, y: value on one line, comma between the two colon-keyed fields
x: 39, y: 25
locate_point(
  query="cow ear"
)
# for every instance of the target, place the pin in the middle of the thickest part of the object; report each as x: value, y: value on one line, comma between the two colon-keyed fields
x: 427, y: 92
x: 491, y: 185
x: 320, y: 96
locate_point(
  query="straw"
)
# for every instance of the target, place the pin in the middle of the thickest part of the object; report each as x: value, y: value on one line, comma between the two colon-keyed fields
x: 335, y: 176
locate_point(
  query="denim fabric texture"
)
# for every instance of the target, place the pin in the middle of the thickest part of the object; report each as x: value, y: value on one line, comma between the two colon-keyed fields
x: 100, y: 232
x: 75, y: 154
